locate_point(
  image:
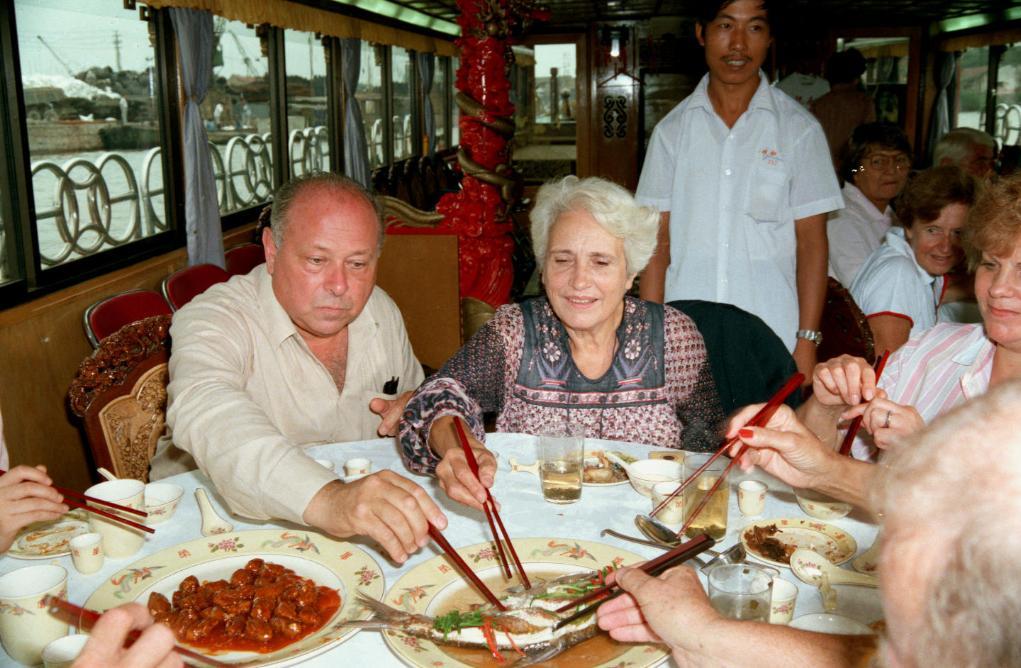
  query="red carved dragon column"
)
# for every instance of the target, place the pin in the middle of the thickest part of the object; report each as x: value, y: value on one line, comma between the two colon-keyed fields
x: 480, y: 213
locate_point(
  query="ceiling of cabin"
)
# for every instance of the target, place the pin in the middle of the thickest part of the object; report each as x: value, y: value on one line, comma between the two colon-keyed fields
x: 843, y: 12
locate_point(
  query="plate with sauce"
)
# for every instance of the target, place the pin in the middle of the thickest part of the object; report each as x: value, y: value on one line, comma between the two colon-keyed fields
x: 789, y: 534
x: 435, y: 587
x: 338, y: 569
x: 45, y: 540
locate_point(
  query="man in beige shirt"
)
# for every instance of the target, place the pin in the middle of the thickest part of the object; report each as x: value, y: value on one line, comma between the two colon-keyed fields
x: 296, y: 353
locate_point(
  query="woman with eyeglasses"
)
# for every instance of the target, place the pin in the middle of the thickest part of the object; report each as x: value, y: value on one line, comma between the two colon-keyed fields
x: 874, y: 170
x: 902, y: 283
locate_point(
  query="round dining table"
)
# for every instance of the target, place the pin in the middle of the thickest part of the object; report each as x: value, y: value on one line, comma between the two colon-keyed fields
x: 524, y: 512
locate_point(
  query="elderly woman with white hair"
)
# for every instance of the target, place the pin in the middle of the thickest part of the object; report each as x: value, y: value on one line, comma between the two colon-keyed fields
x: 585, y: 354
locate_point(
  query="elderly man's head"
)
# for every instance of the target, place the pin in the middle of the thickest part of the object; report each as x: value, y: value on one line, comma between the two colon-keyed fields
x: 972, y: 150
x: 321, y: 251
x: 951, y: 555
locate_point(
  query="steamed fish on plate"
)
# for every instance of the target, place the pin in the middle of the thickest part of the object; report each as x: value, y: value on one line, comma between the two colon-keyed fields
x: 523, y: 633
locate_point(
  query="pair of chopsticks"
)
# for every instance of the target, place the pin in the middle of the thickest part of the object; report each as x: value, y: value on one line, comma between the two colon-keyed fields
x: 491, y: 513
x: 85, y: 619
x: 852, y: 431
x: 78, y: 500
x: 757, y: 420
x: 653, y: 567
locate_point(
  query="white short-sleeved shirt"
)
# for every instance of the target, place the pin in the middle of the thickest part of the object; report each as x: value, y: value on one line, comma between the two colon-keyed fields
x: 891, y: 282
x: 733, y: 195
x: 855, y: 232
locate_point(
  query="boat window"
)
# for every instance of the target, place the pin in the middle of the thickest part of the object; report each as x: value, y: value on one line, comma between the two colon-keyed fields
x: 93, y: 121
x: 886, y: 76
x: 401, y: 121
x: 973, y: 70
x: 440, y: 97
x: 455, y: 112
x: 1008, y: 96
x: 369, y: 94
x: 236, y: 111
x: 308, y: 144
x: 8, y: 270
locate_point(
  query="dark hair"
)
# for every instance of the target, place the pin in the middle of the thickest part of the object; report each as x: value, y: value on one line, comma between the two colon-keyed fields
x: 928, y: 192
x: 871, y: 136
x: 845, y: 66
x: 709, y: 9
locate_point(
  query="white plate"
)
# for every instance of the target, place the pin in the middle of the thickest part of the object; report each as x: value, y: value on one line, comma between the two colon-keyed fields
x: 45, y: 540
x: 824, y: 622
x: 830, y: 541
x: 328, y: 562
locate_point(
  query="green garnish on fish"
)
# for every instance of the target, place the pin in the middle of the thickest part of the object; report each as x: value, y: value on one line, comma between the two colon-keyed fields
x: 455, y: 620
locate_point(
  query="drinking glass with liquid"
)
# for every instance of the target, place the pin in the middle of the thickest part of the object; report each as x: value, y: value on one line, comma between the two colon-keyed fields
x: 561, y: 457
x: 742, y: 591
x: 712, y: 519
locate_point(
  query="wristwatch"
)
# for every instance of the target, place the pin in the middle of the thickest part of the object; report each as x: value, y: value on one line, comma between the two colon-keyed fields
x: 813, y: 335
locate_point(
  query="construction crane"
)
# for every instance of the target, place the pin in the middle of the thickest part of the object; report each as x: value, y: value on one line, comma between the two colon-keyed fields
x: 252, y: 72
x: 60, y: 60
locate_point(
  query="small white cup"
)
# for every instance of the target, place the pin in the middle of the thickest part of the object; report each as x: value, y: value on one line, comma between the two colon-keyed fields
x: 62, y: 652
x: 357, y: 466
x: 118, y: 540
x: 673, y: 512
x: 327, y: 464
x: 751, y: 497
x: 785, y: 596
x: 87, y: 552
x: 26, y: 626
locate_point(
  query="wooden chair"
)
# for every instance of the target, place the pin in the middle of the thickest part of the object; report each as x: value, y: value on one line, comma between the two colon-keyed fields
x: 845, y: 330
x: 183, y: 285
x: 242, y: 259
x: 108, y: 315
x: 120, y: 393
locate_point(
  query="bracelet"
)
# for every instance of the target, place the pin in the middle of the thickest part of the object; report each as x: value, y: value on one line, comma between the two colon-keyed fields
x: 813, y: 335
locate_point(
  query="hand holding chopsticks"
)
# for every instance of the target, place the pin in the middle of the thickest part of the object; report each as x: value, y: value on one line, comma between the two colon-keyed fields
x: 75, y: 499
x: 114, y: 636
x: 852, y: 430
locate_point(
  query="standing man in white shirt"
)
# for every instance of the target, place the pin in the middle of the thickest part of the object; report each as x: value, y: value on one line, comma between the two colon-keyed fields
x: 743, y: 178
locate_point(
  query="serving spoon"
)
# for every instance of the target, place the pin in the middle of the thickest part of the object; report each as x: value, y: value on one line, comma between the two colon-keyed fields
x: 809, y: 566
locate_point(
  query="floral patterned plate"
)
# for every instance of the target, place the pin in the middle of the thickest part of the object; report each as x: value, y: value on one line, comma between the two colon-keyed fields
x: 435, y: 586
x: 831, y: 542
x: 45, y: 540
x: 328, y: 562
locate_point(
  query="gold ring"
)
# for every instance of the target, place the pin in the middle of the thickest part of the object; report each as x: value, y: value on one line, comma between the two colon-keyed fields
x: 886, y: 425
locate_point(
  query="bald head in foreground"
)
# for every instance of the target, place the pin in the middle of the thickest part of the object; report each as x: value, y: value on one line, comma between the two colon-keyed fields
x: 950, y: 502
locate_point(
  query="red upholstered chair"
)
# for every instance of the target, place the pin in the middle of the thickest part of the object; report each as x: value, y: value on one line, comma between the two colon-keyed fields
x: 183, y: 285
x: 242, y: 259
x: 110, y: 314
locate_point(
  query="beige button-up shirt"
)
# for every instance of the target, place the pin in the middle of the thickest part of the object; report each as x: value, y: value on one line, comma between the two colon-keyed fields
x: 246, y: 394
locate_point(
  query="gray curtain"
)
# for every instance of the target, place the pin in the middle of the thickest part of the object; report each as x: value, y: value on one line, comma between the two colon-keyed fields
x: 356, y: 149
x: 939, y: 123
x: 194, y: 31
x: 426, y: 73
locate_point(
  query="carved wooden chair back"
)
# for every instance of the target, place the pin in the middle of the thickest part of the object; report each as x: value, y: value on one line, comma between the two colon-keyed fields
x: 120, y: 393
x: 845, y: 330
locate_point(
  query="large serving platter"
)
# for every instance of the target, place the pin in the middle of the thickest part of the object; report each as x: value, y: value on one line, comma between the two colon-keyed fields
x: 330, y: 563
x: 431, y: 587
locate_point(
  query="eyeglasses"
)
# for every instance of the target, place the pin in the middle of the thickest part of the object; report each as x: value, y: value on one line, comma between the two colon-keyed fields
x: 883, y: 163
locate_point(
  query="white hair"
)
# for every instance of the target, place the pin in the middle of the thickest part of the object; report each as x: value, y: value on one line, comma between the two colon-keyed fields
x: 956, y: 145
x: 956, y: 488
x: 610, y: 205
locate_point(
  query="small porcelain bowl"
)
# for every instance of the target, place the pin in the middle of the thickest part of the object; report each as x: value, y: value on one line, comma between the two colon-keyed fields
x: 645, y: 473
x: 161, y: 499
x: 820, y: 506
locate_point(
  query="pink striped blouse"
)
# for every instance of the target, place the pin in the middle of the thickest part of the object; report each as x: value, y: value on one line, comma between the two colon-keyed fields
x: 934, y: 371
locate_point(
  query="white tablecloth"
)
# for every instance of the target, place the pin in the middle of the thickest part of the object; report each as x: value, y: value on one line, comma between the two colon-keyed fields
x: 524, y: 513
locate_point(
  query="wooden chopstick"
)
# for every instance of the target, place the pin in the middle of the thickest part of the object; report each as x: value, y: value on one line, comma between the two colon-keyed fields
x: 464, y: 568
x: 474, y: 465
x: 653, y: 567
x: 116, y: 518
x: 757, y: 420
x: 85, y: 619
x: 852, y: 431
x: 109, y: 504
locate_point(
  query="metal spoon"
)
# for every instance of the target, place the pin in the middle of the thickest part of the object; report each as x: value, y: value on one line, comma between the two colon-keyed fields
x: 656, y: 531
